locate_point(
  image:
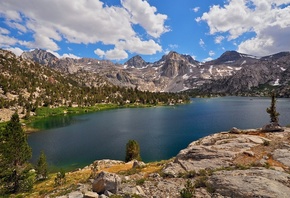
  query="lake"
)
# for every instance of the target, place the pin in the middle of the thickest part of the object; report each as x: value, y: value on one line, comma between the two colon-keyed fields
x: 75, y: 141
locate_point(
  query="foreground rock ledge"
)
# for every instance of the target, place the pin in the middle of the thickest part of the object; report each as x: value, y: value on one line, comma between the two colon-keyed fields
x: 237, y: 163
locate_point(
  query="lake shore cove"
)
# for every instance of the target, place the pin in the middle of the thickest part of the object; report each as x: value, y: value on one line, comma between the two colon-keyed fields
x: 46, y: 112
x: 236, y: 163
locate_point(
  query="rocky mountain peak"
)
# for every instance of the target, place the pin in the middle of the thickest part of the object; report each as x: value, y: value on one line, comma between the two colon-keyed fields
x: 136, y: 61
x: 172, y: 55
x: 40, y: 56
x: 175, y: 64
x: 228, y: 57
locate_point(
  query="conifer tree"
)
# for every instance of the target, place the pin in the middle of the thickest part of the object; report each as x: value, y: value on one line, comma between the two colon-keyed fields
x: 41, y: 168
x: 272, y: 109
x: 132, y: 151
x: 15, y: 153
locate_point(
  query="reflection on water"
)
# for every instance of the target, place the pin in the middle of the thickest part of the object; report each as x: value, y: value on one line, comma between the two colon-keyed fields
x: 56, y: 122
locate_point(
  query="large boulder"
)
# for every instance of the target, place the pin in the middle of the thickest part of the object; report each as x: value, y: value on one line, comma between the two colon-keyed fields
x: 105, y: 181
x: 255, y: 182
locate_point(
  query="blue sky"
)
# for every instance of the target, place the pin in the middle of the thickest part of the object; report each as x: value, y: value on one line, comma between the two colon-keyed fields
x: 119, y: 29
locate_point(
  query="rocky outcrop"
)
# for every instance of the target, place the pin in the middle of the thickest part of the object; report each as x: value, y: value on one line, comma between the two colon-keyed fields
x: 211, y: 152
x: 255, y: 182
x: 106, y: 182
x: 236, y: 163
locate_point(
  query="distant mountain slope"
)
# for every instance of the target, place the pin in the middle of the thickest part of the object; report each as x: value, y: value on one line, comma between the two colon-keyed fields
x: 258, y: 77
x: 231, y: 73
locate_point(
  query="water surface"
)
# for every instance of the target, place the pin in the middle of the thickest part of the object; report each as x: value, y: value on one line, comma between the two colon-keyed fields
x: 75, y: 141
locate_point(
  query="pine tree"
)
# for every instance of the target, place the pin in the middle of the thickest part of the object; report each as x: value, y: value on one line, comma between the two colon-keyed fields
x: 15, y: 153
x: 272, y: 110
x: 41, y: 168
x: 132, y: 151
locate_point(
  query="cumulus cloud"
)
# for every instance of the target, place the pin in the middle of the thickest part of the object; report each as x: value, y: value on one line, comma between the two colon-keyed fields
x: 85, y: 22
x: 142, y: 13
x: 116, y: 54
x: 17, y: 51
x: 267, y: 19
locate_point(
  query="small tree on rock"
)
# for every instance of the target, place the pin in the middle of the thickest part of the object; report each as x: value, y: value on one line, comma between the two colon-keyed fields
x: 272, y: 110
x: 132, y: 151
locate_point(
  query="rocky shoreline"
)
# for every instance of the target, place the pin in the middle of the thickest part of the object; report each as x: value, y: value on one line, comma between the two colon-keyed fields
x: 237, y: 163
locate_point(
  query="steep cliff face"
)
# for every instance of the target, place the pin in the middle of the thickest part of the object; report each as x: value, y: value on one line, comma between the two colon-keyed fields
x: 175, y: 65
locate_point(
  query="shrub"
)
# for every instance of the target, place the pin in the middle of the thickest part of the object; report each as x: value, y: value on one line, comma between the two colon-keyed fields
x: 188, y: 190
x: 140, y: 181
x: 60, y: 178
x: 266, y: 143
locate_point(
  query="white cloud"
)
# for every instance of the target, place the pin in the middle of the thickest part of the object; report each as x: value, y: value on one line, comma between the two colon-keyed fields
x: 219, y: 39
x: 70, y: 56
x: 142, y: 13
x: 41, y: 41
x: 4, y: 31
x: 201, y: 43
x: 116, y: 54
x: 207, y: 59
x: 100, y: 53
x: 6, y: 41
x: 17, y: 51
x: 64, y: 55
x: 173, y: 46
x: 196, y: 9
x: 268, y: 19
x: 211, y: 53
x: 85, y: 22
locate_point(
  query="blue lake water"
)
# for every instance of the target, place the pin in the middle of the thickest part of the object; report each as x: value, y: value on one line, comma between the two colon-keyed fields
x: 75, y: 141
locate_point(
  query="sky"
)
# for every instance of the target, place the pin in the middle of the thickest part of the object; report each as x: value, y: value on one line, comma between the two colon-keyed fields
x: 117, y: 30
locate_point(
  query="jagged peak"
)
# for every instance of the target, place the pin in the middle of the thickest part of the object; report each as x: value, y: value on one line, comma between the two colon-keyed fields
x: 136, y: 61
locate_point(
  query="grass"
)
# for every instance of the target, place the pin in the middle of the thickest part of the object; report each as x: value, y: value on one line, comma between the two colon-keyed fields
x: 47, y: 188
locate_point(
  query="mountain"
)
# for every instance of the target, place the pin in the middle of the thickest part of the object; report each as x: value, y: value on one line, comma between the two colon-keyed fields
x: 257, y: 77
x: 231, y: 73
x: 234, y: 58
x: 26, y: 85
x: 136, y: 61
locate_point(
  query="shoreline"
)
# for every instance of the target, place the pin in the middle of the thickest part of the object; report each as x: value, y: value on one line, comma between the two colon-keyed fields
x: 46, y: 112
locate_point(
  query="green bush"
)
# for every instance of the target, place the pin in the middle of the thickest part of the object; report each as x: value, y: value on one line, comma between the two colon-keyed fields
x: 140, y: 181
x: 188, y: 190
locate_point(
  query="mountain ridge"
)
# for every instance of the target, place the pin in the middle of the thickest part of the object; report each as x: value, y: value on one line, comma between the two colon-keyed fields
x: 231, y: 73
